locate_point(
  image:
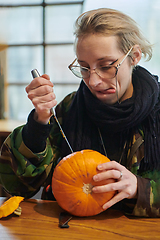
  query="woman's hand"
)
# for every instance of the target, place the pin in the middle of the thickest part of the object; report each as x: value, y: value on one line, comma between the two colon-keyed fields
x: 40, y: 92
x: 125, y: 182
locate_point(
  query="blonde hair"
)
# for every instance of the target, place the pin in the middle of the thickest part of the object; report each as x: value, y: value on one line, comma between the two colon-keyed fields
x: 113, y: 23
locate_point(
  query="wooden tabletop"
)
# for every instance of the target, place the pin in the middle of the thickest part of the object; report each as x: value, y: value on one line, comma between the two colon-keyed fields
x: 40, y: 219
x: 9, y: 125
x: 6, y: 127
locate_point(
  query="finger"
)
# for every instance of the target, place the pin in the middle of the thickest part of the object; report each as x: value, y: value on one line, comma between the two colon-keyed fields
x: 37, y: 82
x: 46, y: 76
x: 44, y: 99
x: 128, y: 188
x: 113, y: 186
x: 117, y: 198
x: 114, y: 174
x: 40, y: 92
x: 110, y: 165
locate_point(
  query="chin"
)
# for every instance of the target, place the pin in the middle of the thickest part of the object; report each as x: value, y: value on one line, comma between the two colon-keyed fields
x: 108, y: 101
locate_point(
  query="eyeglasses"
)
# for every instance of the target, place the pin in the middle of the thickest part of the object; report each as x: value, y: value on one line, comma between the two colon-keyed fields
x: 108, y: 71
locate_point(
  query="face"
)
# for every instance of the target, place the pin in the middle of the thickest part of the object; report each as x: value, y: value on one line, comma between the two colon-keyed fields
x: 95, y: 50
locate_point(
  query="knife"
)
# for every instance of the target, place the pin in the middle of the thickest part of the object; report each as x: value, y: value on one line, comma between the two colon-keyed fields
x: 35, y: 74
x: 64, y: 218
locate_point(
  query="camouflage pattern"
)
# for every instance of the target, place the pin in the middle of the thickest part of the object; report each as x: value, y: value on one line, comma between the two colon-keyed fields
x: 23, y: 172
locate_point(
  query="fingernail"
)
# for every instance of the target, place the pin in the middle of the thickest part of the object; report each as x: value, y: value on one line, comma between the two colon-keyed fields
x: 104, y: 207
x: 94, y: 189
x: 95, y: 178
x: 100, y: 167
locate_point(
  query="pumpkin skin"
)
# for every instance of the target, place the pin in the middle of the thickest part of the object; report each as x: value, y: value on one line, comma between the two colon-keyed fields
x: 9, y: 206
x: 72, y: 183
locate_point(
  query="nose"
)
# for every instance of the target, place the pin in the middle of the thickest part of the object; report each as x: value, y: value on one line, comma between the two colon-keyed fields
x: 94, y: 79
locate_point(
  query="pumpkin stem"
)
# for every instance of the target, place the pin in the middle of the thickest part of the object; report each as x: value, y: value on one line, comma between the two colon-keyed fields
x: 87, y: 188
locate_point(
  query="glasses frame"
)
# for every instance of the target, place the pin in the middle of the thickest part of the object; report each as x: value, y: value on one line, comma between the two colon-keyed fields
x: 89, y: 70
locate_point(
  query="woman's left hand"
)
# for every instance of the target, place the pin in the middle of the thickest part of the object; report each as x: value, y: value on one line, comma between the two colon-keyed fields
x: 125, y: 184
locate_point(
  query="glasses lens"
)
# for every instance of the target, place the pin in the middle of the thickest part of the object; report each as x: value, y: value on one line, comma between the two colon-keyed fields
x: 80, y: 72
x: 84, y: 72
x: 76, y: 71
x: 107, y: 72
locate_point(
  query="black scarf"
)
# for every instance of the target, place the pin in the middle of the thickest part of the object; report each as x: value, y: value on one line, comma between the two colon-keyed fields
x: 87, y: 114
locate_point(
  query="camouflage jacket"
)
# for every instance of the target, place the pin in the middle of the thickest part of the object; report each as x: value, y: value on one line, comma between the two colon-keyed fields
x: 23, y: 172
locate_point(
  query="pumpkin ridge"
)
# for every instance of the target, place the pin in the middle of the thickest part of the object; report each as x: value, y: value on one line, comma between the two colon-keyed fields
x: 66, y: 164
x: 84, y: 167
x: 93, y: 201
x: 94, y: 198
x: 64, y: 183
x: 64, y: 168
x: 86, y: 163
x: 78, y: 168
x: 107, y: 199
x: 98, y: 204
x: 79, y: 205
x: 74, y: 208
x: 87, y: 205
x: 70, y: 177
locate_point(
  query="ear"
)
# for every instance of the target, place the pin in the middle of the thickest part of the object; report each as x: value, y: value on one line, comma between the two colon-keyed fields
x: 136, y: 54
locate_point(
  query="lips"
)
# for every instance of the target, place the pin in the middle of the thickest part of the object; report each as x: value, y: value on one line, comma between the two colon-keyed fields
x: 107, y: 91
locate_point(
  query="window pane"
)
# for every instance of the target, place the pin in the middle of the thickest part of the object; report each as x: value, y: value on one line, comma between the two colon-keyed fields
x: 63, y: 90
x: 19, y: 104
x: 5, y: 2
x: 147, y: 15
x: 57, y: 60
x: 61, y: 1
x: 151, y: 30
x: 60, y: 21
x: 21, y: 25
x: 21, y: 60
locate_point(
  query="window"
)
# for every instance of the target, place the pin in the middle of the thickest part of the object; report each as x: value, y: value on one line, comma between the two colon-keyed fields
x: 147, y: 15
x: 39, y: 34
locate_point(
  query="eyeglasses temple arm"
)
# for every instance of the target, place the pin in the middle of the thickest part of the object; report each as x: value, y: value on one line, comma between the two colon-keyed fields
x: 72, y: 63
x: 124, y: 57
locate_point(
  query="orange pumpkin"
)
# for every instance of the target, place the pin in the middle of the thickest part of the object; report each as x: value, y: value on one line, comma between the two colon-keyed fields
x: 72, y: 183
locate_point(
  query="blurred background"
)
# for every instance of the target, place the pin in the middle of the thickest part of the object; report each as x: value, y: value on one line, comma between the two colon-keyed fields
x: 39, y: 34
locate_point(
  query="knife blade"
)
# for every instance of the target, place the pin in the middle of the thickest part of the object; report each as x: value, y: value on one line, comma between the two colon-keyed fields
x: 35, y: 74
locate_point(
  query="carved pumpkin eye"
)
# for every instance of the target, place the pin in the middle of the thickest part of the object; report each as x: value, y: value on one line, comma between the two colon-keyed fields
x: 72, y: 183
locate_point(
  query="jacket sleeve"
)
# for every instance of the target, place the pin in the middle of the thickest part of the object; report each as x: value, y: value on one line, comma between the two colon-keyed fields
x: 23, y: 172
x: 148, y: 201
x: 25, y: 163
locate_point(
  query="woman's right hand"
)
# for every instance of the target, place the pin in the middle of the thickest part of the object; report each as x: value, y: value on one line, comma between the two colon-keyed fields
x: 40, y: 92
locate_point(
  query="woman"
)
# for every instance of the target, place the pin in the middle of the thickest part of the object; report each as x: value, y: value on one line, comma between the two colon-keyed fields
x: 115, y: 111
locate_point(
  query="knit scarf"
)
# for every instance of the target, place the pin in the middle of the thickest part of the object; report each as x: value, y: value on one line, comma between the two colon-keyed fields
x: 87, y: 114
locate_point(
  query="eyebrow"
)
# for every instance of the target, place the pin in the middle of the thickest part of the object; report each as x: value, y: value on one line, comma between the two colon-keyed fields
x: 100, y: 59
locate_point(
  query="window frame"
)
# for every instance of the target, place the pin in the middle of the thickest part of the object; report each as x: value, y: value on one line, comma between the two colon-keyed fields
x: 43, y: 44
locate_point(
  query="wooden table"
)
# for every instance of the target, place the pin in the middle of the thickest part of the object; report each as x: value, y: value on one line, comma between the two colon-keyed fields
x: 39, y: 220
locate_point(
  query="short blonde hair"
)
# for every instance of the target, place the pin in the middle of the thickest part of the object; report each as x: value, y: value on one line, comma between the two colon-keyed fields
x: 114, y: 23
